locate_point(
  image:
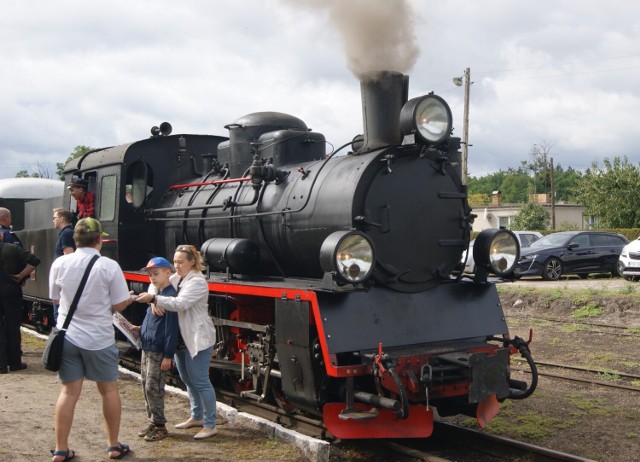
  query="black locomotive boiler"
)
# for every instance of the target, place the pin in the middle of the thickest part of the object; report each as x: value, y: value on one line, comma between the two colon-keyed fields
x: 334, y: 278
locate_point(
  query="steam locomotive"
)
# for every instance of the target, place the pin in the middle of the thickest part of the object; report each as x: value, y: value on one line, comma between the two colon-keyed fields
x: 334, y: 278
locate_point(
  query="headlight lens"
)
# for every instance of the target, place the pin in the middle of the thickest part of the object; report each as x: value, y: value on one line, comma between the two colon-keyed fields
x: 497, y: 250
x: 349, y: 255
x: 427, y: 116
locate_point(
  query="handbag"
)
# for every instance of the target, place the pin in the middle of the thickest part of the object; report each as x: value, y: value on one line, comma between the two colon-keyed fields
x: 52, y: 354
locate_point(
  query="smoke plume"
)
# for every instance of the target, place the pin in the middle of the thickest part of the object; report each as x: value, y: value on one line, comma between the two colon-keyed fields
x: 378, y: 35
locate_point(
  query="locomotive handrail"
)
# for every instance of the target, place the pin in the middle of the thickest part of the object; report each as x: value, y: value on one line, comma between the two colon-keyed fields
x: 209, y: 183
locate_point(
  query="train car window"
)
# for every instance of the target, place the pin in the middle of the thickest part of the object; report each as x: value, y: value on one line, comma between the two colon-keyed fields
x: 137, y: 188
x: 108, y: 198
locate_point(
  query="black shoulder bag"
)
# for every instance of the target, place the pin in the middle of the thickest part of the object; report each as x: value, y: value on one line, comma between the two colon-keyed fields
x: 52, y: 354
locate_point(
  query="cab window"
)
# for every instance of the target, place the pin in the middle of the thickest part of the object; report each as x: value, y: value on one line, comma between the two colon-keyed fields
x: 138, y: 181
x: 108, y: 198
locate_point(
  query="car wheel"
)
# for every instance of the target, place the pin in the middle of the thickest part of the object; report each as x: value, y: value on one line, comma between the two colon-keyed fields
x: 552, y: 270
x: 618, y: 269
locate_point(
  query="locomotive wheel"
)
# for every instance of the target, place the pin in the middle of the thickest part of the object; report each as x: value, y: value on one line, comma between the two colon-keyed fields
x: 552, y: 269
x: 279, y: 397
x: 239, y: 385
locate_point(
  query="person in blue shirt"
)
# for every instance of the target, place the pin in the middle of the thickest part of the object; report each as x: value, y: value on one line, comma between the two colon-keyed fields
x: 5, y: 227
x: 62, y: 220
x: 159, y: 338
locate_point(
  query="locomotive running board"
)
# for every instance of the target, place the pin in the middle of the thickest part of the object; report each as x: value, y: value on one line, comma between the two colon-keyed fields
x: 419, y: 423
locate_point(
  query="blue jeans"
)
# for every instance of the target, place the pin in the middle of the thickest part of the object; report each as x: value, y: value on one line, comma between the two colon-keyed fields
x: 194, y: 372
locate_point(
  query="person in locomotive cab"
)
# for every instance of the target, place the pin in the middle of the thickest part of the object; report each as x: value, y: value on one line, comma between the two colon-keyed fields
x: 90, y: 351
x: 198, y: 334
x: 85, y: 199
x: 159, y: 337
x: 15, y: 264
x: 62, y: 219
x: 5, y: 226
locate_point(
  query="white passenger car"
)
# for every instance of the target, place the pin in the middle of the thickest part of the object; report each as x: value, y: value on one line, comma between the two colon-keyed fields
x: 525, y: 238
x: 629, y: 261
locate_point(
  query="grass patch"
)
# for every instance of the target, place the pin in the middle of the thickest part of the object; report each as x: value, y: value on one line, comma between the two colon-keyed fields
x: 530, y: 425
x: 628, y: 289
x: 574, y: 327
x: 602, y: 357
x: 516, y: 424
x: 589, y: 406
x: 630, y: 364
x: 541, y: 322
x: 609, y: 376
x: 590, y: 310
x: 635, y: 383
x: 633, y: 330
x: 580, y: 299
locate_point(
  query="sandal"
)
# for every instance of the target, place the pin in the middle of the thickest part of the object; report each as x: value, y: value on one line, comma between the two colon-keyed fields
x: 122, y: 449
x: 68, y: 454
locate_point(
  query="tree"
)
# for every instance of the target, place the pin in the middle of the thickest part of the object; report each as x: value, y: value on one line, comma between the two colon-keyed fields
x: 479, y: 200
x: 515, y: 188
x: 39, y: 171
x: 539, y: 166
x: 612, y: 193
x: 78, y: 151
x: 531, y: 217
x: 567, y: 183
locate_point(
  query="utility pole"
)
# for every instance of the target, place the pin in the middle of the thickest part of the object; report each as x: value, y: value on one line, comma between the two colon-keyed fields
x: 553, y: 198
x: 465, y: 125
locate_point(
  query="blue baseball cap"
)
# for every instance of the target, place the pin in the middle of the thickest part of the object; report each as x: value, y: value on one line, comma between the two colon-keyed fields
x: 157, y: 262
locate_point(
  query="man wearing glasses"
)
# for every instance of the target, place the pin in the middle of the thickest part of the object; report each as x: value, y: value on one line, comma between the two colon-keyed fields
x: 62, y: 219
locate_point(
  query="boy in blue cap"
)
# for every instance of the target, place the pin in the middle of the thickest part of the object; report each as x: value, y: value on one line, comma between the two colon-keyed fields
x: 159, y: 338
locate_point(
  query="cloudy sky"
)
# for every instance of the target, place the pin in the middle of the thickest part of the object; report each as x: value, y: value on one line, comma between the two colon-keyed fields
x: 565, y: 74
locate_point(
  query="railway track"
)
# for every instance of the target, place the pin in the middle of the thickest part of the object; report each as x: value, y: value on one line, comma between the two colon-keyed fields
x: 622, y: 331
x: 590, y: 381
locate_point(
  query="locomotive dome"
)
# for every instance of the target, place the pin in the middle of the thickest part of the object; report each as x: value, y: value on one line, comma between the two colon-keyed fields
x: 269, y: 121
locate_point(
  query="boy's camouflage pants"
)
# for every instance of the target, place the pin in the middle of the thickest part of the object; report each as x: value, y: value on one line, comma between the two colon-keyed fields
x: 153, y: 381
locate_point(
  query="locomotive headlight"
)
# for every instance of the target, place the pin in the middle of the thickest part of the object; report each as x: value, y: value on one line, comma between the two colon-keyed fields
x: 496, y: 251
x: 429, y: 117
x: 348, y: 255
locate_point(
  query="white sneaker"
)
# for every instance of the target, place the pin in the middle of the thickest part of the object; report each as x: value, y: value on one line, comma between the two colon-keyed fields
x: 206, y: 432
x: 190, y: 422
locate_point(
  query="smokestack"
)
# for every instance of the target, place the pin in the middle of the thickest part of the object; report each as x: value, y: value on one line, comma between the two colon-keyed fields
x: 383, y: 95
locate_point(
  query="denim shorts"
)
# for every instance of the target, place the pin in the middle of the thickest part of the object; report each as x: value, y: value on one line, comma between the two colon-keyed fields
x: 95, y: 365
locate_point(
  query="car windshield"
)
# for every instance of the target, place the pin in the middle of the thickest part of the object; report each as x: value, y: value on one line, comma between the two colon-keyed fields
x: 552, y: 240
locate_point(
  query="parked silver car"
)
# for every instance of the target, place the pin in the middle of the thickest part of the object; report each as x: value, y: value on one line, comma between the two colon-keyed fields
x: 526, y: 238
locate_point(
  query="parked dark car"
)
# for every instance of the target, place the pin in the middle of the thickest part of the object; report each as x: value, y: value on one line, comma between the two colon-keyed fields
x: 574, y: 252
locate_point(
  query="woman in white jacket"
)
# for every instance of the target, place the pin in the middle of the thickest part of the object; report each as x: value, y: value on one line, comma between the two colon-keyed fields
x: 197, y: 333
